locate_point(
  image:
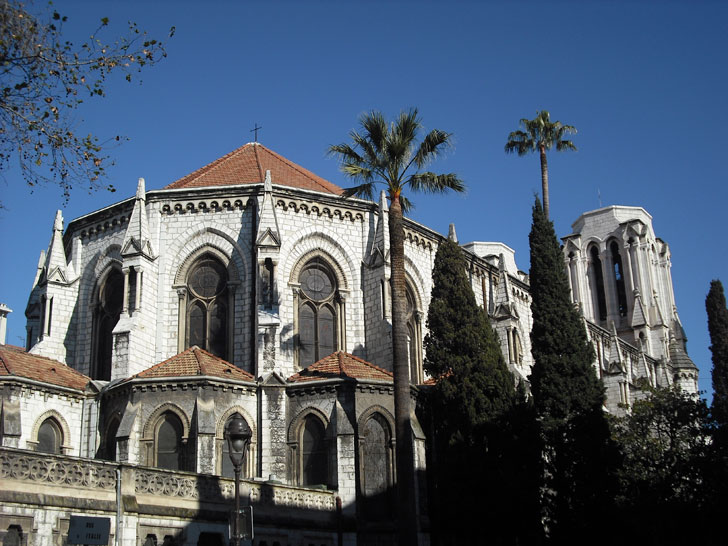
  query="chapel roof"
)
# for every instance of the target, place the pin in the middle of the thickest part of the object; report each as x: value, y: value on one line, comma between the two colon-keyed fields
x: 341, y: 365
x: 194, y: 362
x: 247, y: 165
x: 16, y: 362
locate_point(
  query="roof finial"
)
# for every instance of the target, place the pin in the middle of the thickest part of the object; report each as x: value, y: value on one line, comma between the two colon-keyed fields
x: 140, y: 189
x: 451, y: 234
x: 255, y: 130
x: 58, y: 221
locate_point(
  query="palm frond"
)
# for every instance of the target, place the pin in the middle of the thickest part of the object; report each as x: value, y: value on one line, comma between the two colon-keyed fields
x: 435, y: 183
x: 357, y: 171
x: 433, y: 145
x: 565, y: 146
x: 406, y: 127
x: 520, y: 142
x: 375, y: 128
x: 345, y: 153
x: 367, y: 147
x: 365, y: 191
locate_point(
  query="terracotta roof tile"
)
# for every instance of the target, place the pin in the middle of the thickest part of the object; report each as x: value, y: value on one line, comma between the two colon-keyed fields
x: 247, y: 165
x: 341, y: 365
x: 195, y: 361
x: 16, y: 362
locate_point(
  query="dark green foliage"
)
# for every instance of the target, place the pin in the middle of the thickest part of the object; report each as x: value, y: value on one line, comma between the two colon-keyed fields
x: 568, y: 397
x: 481, y: 469
x: 671, y: 477
x: 462, y: 350
x: 715, y: 306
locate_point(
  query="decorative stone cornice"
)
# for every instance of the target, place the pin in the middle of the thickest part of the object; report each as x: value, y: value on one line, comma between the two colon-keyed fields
x: 204, y: 206
x: 308, y: 207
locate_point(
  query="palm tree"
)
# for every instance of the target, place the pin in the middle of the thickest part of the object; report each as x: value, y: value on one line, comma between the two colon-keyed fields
x: 388, y: 154
x: 540, y: 134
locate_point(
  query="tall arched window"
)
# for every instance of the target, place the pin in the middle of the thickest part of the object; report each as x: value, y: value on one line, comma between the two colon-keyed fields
x: 598, y: 276
x: 168, y: 444
x: 619, y: 278
x: 207, y: 306
x: 108, y: 451
x: 314, y: 453
x: 317, y: 312
x: 50, y: 437
x: 108, y: 309
x: 414, y: 337
x: 376, y: 456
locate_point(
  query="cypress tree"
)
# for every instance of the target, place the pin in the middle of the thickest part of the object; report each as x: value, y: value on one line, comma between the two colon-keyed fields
x: 568, y: 397
x: 474, y: 390
x: 715, y: 305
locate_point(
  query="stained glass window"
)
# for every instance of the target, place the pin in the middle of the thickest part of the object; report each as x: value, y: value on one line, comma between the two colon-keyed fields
x: 316, y: 313
x: 207, y: 307
x: 50, y: 437
x: 169, y: 442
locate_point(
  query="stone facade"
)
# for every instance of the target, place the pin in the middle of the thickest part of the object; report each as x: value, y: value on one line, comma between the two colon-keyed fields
x: 267, y: 269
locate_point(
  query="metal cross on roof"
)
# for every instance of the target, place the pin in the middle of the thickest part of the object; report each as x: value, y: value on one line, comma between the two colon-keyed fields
x: 255, y: 130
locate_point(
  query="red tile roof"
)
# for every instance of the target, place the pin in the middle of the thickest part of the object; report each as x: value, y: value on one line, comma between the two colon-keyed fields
x: 341, y: 365
x: 16, y: 362
x: 247, y: 165
x: 195, y: 361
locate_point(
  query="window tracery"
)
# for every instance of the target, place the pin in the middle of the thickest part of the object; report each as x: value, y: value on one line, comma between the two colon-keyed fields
x: 207, y: 306
x: 318, y: 312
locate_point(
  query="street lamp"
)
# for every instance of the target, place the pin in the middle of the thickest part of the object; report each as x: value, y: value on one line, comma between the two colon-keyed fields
x: 238, y: 435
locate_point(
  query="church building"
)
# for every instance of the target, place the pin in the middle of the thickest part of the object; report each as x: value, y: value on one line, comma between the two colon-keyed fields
x: 251, y: 288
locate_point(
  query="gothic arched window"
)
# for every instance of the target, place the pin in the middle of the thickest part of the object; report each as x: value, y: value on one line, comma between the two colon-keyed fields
x: 207, y: 307
x: 168, y: 442
x: 50, y: 437
x: 314, y: 452
x: 376, y: 456
x: 598, y: 276
x: 318, y: 311
x: 108, y: 309
x: 619, y: 278
x: 414, y: 337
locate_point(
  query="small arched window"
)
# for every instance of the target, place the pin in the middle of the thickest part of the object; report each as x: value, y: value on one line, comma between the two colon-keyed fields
x: 207, y: 306
x: 110, y: 300
x: 598, y: 276
x: 50, y: 437
x: 314, y: 452
x: 619, y: 278
x: 169, y: 448
x: 317, y: 312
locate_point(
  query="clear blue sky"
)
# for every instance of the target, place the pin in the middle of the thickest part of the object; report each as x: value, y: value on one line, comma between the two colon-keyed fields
x: 644, y: 82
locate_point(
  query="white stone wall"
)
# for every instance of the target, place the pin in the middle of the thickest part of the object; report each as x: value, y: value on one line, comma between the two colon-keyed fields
x: 66, y: 408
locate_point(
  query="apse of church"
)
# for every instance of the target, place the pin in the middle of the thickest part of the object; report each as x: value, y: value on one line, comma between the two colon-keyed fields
x: 250, y: 288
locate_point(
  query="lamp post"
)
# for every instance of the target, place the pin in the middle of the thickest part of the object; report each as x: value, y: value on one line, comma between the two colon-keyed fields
x: 238, y: 435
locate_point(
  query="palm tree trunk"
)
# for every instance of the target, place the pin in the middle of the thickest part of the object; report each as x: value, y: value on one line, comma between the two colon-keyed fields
x: 406, y: 507
x: 544, y: 180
